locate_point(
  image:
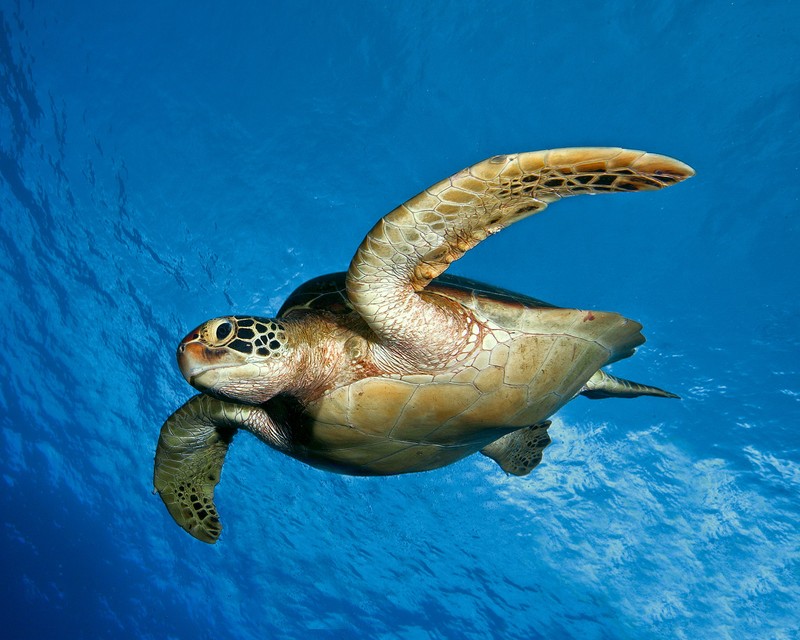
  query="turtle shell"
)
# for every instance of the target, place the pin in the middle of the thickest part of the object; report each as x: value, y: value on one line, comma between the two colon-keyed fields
x: 534, y: 358
x: 329, y: 293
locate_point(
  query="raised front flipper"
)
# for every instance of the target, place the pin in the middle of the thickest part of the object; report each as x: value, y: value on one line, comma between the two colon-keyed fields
x: 191, y: 449
x: 520, y: 451
x: 417, y: 241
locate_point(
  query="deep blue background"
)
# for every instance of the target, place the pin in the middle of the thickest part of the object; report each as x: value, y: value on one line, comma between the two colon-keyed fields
x: 162, y: 163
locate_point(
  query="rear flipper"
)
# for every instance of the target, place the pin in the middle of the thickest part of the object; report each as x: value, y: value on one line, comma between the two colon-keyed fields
x: 603, y: 385
x: 520, y: 451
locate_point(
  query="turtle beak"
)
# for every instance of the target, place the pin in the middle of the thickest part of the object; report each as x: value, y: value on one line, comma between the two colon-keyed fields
x: 192, y: 356
x: 201, y: 364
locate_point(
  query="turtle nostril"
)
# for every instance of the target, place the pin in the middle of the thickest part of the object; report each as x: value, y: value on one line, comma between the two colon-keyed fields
x: 194, y: 335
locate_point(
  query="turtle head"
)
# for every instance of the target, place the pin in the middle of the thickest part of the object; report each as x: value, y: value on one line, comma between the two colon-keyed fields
x: 241, y: 358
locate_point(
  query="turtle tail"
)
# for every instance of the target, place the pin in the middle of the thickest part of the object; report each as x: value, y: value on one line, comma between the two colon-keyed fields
x: 603, y: 385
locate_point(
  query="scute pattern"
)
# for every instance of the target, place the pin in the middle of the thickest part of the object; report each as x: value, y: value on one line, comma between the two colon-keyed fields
x: 328, y: 293
x: 263, y: 336
x: 466, y: 407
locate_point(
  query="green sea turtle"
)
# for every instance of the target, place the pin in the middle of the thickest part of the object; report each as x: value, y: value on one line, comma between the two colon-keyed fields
x: 394, y: 368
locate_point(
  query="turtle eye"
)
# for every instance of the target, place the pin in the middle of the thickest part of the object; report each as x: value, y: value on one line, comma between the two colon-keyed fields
x: 220, y: 331
x: 224, y: 330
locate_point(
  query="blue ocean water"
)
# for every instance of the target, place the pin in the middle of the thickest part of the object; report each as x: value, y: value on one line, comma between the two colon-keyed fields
x: 161, y: 165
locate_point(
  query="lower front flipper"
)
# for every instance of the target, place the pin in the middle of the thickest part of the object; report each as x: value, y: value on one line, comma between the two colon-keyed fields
x: 189, y: 457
